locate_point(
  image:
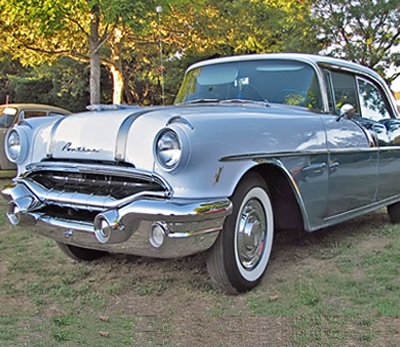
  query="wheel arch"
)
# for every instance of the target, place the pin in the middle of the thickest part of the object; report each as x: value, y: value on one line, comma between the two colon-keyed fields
x: 286, y: 199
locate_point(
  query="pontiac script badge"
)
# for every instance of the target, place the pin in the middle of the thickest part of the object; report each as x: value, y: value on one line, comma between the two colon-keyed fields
x: 81, y: 149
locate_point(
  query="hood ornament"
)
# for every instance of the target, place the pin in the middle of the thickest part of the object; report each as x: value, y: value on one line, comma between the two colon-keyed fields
x: 80, y: 149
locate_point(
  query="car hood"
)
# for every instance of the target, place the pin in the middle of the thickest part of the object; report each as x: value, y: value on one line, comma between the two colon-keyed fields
x: 127, y: 134
x: 100, y: 135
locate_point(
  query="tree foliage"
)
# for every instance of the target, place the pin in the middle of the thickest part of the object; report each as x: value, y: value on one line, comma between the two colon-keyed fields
x: 38, y: 31
x: 364, y: 31
x: 259, y: 26
x: 64, y: 83
x: 124, y: 36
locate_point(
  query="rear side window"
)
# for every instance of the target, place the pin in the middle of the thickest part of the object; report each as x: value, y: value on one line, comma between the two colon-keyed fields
x: 373, y: 103
x: 32, y: 114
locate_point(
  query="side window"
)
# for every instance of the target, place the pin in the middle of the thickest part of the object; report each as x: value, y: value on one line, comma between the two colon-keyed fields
x: 6, y: 120
x: 31, y: 114
x: 372, y: 102
x: 344, y: 91
x: 7, y: 115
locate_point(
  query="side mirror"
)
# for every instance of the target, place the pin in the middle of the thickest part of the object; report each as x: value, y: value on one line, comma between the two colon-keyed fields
x: 347, y: 111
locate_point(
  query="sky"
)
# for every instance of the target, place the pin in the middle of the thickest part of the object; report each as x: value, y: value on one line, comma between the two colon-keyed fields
x: 396, y: 85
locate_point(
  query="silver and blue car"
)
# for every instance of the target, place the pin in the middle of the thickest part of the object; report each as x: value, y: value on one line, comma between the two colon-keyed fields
x: 253, y: 144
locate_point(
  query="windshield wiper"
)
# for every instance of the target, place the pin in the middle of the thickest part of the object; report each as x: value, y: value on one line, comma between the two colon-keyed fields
x: 245, y: 101
x: 201, y: 101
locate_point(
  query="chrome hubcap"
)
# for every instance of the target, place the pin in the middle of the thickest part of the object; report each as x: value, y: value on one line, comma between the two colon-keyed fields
x: 251, y: 234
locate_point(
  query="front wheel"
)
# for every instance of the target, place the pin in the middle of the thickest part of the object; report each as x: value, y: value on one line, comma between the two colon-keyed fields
x: 241, y: 253
x: 79, y: 253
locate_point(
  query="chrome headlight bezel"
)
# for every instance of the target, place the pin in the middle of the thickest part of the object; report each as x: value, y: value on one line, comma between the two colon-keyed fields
x: 172, y: 149
x: 16, y: 145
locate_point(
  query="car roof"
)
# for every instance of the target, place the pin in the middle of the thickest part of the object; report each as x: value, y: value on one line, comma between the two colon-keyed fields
x: 35, y: 107
x: 313, y: 59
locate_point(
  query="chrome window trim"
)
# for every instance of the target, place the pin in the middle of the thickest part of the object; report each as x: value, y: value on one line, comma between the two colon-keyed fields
x: 365, y: 75
x: 381, y: 90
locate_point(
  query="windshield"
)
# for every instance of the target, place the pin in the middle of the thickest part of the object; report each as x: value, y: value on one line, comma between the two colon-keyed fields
x: 7, y: 115
x: 274, y: 81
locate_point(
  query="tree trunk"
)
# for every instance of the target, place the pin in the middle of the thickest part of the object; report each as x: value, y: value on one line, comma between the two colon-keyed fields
x: 116, y: 67
x: 94, y: 58
x: 118, y: 82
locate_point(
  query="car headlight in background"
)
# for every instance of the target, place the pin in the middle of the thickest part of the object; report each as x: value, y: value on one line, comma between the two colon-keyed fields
x: 16, y: 145
x: 172, y: 149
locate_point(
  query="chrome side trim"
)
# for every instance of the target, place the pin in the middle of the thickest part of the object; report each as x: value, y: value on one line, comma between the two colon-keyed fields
x: 261, y: 156
x: 358, y: 212
x: 389, y: 148
x: 354, y: 150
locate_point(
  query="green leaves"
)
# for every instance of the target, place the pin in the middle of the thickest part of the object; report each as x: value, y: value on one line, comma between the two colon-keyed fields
x: 362, y: 31
x: 129, y: 32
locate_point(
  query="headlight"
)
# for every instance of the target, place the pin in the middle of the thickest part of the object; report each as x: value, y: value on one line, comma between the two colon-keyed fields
x: 168, y: 149
x: 172, y: 149
x: 16, y: 145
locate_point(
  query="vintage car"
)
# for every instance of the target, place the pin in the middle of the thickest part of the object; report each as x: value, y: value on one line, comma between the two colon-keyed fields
x: 253, y: 144
x: 11, y: 114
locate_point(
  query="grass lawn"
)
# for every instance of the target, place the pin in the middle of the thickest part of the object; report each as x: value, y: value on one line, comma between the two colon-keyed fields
x: 336, y: 287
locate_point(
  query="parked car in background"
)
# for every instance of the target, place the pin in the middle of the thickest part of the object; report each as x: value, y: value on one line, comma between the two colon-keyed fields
x: 253, y: 144
x: 11, y: 114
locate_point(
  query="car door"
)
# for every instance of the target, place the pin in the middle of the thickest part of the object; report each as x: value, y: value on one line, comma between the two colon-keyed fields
x: 378, y: 116
x: 353, y: 154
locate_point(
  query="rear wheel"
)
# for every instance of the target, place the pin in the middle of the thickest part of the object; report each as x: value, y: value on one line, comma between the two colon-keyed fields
x: 241, y: 253
x: 394, y: 212
x: 79, y: 253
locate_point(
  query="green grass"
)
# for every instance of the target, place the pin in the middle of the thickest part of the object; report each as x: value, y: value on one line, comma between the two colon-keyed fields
x: 335, y: 287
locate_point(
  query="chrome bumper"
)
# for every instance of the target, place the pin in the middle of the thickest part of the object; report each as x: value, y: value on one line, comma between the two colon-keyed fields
x: 145, y: 225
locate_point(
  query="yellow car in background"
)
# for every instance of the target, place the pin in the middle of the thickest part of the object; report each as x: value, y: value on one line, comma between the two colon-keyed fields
x: 11, y: 114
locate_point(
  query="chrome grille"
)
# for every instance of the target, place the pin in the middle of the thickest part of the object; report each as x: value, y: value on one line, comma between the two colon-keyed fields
x: 115, y: 186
